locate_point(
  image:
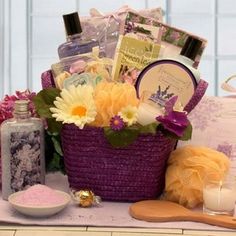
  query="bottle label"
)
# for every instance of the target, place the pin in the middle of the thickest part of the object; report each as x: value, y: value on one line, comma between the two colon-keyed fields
x: 25, y: 164
x: 164, y: 79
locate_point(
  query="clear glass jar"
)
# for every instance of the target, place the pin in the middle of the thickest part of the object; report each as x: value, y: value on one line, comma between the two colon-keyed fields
x: 22, y: 150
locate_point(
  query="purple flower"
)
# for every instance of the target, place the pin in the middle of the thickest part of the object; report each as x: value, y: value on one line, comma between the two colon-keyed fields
x: 170, y: 104
x: 117, y: 123
x: 174, y: 121
x: 7, y: 104
x: 175, y: 35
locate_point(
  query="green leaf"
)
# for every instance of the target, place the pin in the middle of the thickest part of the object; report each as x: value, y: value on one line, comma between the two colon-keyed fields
x: 52, y: 134
x: 122, y: 138
x: 55, y: 163
x: 186, y: 136
x: 57, y: 145
x: 142, y: 20
x: 149, y: 129
x: 98, y: 79
x: 187, y: 133
x: 54, y: 126
x: 44, y: 100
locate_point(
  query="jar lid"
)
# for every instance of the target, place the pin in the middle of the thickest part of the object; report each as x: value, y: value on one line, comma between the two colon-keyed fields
x: 191, y: 48
x: 21, y: 106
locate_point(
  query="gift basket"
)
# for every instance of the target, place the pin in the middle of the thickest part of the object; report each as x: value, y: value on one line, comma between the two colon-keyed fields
x: 119, y: 118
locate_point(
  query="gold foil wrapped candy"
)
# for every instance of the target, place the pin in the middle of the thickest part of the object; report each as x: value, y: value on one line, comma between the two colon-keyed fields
x: 85, y: 198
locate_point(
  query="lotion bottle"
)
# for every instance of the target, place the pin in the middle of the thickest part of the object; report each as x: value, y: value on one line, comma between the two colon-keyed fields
x: 75, y: 43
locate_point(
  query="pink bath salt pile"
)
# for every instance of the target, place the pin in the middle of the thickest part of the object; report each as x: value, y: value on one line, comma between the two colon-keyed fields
x: 39, y: 195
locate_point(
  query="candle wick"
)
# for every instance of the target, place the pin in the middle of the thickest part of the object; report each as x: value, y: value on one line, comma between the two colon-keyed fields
x: 219, y: 194
x: 221, y: 185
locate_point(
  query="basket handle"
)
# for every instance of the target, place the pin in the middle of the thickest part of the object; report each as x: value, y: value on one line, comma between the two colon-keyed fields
x: 197, y: 96
x: 47, y: 80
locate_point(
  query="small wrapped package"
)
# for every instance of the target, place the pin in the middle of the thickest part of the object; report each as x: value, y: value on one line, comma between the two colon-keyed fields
x: 81, y: 69
x: 105, y: 27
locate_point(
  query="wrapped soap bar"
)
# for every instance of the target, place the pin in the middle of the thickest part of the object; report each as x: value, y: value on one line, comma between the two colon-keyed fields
x: 74, y: 64
x: 137, y: 47
x: 82, y: 69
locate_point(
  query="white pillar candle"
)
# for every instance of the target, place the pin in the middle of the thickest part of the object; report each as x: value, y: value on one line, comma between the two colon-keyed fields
x: 219, y: 198
x: 147, y: 113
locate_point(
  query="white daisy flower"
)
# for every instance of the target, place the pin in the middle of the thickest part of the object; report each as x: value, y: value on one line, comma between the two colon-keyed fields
x: 75, y: 105
x: 129, y: 114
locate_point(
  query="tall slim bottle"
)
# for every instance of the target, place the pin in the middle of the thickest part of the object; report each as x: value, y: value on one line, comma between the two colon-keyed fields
x: 22, y: 150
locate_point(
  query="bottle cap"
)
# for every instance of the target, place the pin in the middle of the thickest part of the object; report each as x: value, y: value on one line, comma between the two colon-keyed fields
x: 72, y: 23
x: 191, y: 48
x: 21, y: 106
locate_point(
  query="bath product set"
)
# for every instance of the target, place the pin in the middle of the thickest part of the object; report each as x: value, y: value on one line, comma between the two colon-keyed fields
x: 108, y: 98
x: 120, y: 117
x: 142, y: 41
x: 140, y: 31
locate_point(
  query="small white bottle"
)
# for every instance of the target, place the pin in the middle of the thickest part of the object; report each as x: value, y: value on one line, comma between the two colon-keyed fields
x: 188, y: 54
x: 22, y: 150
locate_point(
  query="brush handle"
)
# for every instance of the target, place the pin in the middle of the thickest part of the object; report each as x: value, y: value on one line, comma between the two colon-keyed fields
x: 164, y: 211
x: 218, y: 220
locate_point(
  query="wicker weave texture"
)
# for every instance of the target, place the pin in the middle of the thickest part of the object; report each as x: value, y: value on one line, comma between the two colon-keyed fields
x: 47, y: 79
x: 197, y: 96
x: 121, y: 174
x: 128, y: 174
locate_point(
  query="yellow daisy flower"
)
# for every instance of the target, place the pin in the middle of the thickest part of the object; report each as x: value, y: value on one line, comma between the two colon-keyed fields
x: 75, y: 105
x: 129, y: 114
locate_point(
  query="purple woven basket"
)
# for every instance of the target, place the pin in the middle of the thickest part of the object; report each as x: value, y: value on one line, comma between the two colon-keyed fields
x: 124, y: 174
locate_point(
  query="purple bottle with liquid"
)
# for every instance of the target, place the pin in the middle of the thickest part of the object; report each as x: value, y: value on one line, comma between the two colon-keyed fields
x: 75, y: 43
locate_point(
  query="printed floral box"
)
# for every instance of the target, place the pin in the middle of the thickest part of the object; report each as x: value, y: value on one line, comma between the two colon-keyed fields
x: 213, y: 122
